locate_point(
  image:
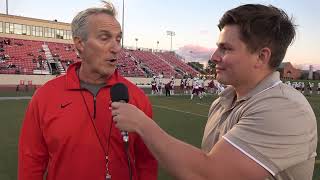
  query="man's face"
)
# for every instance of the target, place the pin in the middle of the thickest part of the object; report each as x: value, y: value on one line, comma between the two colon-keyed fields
x: 99, y: 51
x: 234, y: 62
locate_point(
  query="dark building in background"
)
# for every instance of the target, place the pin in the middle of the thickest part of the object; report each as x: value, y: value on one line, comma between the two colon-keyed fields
x: 316, y: 75
x: 287, y: 71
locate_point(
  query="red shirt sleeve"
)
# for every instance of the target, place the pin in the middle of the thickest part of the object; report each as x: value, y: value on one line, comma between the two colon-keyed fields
x: 32, y: 151
x: 147, y: 166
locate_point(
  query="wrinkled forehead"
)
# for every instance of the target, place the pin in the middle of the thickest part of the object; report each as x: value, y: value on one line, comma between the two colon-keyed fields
x: 104, y: 22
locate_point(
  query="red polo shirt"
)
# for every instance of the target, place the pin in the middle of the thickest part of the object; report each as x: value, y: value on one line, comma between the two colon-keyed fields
x: 58, y: 135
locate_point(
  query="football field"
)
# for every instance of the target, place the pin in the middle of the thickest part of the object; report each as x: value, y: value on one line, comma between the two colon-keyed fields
x: 178, y: 115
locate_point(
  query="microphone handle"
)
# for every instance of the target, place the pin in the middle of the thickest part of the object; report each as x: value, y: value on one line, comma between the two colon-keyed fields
x: 125, y: 134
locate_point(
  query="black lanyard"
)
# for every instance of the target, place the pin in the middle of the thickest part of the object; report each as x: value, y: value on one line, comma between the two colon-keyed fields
x: 106, y: 152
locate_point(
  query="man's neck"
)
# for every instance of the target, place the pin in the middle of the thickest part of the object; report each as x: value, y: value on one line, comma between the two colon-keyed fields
x: 245, y: 87
x: 91, y: 77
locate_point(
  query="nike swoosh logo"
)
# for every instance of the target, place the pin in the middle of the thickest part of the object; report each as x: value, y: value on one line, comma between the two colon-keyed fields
x: 65, y: 105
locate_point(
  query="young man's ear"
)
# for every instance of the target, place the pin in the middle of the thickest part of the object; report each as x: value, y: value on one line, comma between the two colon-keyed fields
x: 263, y: 57
x: 78, y: 44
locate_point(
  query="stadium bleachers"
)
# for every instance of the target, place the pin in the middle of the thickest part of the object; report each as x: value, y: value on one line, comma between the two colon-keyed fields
x: 128, y: 66
x: 20, y: 56
x: 156, y: 64
x: 174, y: 60
x: 24, y: 56
x: 65, y: 52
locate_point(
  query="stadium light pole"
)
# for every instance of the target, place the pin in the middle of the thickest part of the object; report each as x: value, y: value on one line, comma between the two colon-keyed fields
x: 122, y: 24
x: 136, y: 43
x: 171, y: 33
x: 158, y: 46
x: 7, y: 11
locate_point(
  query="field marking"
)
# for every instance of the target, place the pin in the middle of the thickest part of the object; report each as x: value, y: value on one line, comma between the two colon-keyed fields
x: 186, y: 112
x: 15, y: 98
x: 207, y: 105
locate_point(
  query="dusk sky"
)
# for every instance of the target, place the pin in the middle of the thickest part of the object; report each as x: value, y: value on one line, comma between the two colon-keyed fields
x: 194, y: 22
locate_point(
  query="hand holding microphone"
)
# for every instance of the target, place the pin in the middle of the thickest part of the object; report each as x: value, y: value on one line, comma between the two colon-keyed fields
x: 127, y: 117
x: 120, y: 98
x: 119, y: 93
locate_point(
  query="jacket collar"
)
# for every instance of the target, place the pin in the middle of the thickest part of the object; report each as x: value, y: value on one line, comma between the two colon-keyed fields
x: 72, y: 78
x: 266, y: 83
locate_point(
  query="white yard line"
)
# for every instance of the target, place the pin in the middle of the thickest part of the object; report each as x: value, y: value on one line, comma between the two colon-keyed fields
x: 203, y: 104
x: 15, y: 98
x: 186, y: 112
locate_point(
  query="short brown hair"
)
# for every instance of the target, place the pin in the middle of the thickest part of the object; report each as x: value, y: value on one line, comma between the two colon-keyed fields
x: 262, y: 26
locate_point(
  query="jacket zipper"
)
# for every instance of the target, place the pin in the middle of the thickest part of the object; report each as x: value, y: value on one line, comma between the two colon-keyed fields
x: 94, y: 107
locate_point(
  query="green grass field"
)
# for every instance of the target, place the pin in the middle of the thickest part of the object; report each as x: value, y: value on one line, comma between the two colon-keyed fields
x: 180, y: 117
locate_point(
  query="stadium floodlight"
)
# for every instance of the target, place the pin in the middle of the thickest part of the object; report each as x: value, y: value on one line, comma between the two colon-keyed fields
x: 157, y: 45
x: 171, y: 33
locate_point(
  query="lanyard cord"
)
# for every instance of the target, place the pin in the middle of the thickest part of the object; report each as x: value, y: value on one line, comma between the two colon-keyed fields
x: 106, y: 152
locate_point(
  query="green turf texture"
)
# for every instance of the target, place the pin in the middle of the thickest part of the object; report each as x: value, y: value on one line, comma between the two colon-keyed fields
x: 168, y: 113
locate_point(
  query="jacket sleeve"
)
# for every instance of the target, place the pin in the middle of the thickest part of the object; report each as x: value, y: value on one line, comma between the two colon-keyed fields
x: 32, y: 150
x: 147, y: 166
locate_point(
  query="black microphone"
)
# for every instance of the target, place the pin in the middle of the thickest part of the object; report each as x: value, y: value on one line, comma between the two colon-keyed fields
x: 119, y: 93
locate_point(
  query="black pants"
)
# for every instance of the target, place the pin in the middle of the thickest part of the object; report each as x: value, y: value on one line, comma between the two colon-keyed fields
x: 167, y: 91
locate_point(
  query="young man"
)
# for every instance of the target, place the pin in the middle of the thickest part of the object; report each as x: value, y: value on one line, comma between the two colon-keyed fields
x: 167, y: 88
x: 172, y: 84
x: 259, y: 128
x: 195, y: 87
x: 182, y: 85
x: 153, y: 85
x: 160, y: 83
x: 68, y: 130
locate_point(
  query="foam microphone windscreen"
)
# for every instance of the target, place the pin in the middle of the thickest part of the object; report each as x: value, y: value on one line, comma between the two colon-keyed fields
x: 119, y: 92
